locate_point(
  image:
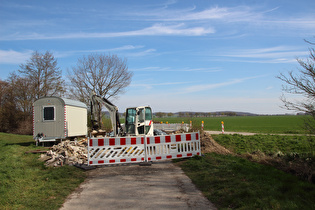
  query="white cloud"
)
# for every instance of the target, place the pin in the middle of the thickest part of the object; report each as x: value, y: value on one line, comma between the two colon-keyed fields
x: 203, y: 87
x: 155, y: 30
x: 14, y: 57
x: 150, y: 85
x: 120, y: 49
x: 230, y: 14
x: 278, y: 54
x: 141, y: 53
x: 257, y: 19
x: 169, y: 69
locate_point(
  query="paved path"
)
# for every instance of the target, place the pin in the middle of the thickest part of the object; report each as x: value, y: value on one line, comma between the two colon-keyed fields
x: 160, y: 186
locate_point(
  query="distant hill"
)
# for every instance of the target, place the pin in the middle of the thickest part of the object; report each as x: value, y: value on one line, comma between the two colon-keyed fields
x: 194, y: 114
x: 203, y: 114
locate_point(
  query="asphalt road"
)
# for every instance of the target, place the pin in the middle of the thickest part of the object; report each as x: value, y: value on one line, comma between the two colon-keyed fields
x: 159, y: 186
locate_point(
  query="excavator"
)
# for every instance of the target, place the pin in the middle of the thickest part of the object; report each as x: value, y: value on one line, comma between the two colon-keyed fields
x: 138, y: 120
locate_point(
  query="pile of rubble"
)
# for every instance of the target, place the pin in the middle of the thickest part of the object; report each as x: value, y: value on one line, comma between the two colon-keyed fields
x: 66, y: 153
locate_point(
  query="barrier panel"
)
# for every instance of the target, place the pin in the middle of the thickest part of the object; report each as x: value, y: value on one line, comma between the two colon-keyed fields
x: 142, y: 149
x: 172, y: 146
x: 115, y: 150
x: 172, y: 126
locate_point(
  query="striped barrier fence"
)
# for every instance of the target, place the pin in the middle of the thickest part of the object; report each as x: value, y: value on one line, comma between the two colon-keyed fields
x: 115, y: 150
x: 172, y: 146
x: 102, y: 151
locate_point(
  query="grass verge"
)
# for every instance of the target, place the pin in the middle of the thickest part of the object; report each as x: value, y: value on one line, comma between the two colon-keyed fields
x: 234, y: 182
x: 268, y: 144
x: 292, y: 154
x: 25, y: 183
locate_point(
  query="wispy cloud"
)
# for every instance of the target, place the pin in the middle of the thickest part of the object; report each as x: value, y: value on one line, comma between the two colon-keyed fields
x: 169, y: 69
x: 140, y: 53
x: 117, y: 49
x: 151, y: 85
x: 258, y: 18
x: 155, y: 30
x: 14, y: 57
x: 241, y: 13
x: 203, y: 87
x: 278, y: 54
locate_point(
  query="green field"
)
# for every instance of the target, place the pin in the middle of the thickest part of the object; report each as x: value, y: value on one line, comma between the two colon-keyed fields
x: 258, y: 124
x: 268, y: 144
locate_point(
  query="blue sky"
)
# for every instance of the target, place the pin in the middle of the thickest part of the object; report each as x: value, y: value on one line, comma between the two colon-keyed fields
x: 202, y: 56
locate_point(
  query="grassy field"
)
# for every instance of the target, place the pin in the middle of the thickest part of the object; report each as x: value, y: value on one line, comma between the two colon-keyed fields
x: 240, y: 182
x: 228, y: 181
x: 257, y: 124
x: 25, y: 183
x: 268, y: 144
x: 232, y: 182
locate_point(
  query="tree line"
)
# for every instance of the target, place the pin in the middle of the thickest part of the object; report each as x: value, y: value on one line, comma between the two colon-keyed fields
x: 107, y: 75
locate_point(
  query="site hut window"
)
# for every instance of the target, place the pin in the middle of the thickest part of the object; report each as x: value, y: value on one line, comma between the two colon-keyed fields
x: 49, y: 113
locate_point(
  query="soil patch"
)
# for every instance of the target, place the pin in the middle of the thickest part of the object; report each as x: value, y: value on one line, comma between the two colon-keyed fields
x: 208, y: 145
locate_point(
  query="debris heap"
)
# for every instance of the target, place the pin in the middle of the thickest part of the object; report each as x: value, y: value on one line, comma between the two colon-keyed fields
x: 66, y: 153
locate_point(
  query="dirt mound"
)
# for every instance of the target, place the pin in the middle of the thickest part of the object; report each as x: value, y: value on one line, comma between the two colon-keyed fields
x: 208, y: 144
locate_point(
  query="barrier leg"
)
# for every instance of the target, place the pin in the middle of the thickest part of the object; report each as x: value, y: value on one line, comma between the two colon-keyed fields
x: 146, y: 162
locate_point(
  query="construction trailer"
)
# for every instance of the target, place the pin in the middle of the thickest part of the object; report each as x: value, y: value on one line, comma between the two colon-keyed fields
x: 55, y: 119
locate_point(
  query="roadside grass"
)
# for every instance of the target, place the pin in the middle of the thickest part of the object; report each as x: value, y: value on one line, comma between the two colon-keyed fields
x: 304, y: 146
x: 26, y: 183
x: 240, y: 182
x: 232, y: 182
x: 257, y: 124
x: 292, y: 154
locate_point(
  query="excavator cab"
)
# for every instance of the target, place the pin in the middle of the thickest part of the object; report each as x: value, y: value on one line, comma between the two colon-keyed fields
x: 139, y: 121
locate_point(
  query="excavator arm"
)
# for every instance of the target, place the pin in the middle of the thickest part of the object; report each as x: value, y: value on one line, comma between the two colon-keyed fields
x: 97, y: 102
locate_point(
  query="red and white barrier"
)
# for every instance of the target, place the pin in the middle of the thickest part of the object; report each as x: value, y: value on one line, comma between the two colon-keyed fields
x: 115, y: 150
x: 172, y: 146
x: 142, y: 149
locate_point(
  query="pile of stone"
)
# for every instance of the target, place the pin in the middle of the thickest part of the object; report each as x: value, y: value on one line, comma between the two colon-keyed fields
x: 66, y: 153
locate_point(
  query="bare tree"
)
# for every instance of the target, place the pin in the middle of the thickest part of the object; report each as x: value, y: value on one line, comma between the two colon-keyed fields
x: 43, y: 73
x: 9, y: 114
x: 23, y: 93
x: 302, y: 83
x: 106, y: 75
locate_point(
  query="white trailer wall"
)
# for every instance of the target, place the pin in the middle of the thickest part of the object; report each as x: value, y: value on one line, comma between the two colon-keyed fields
x: 76, y: 118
